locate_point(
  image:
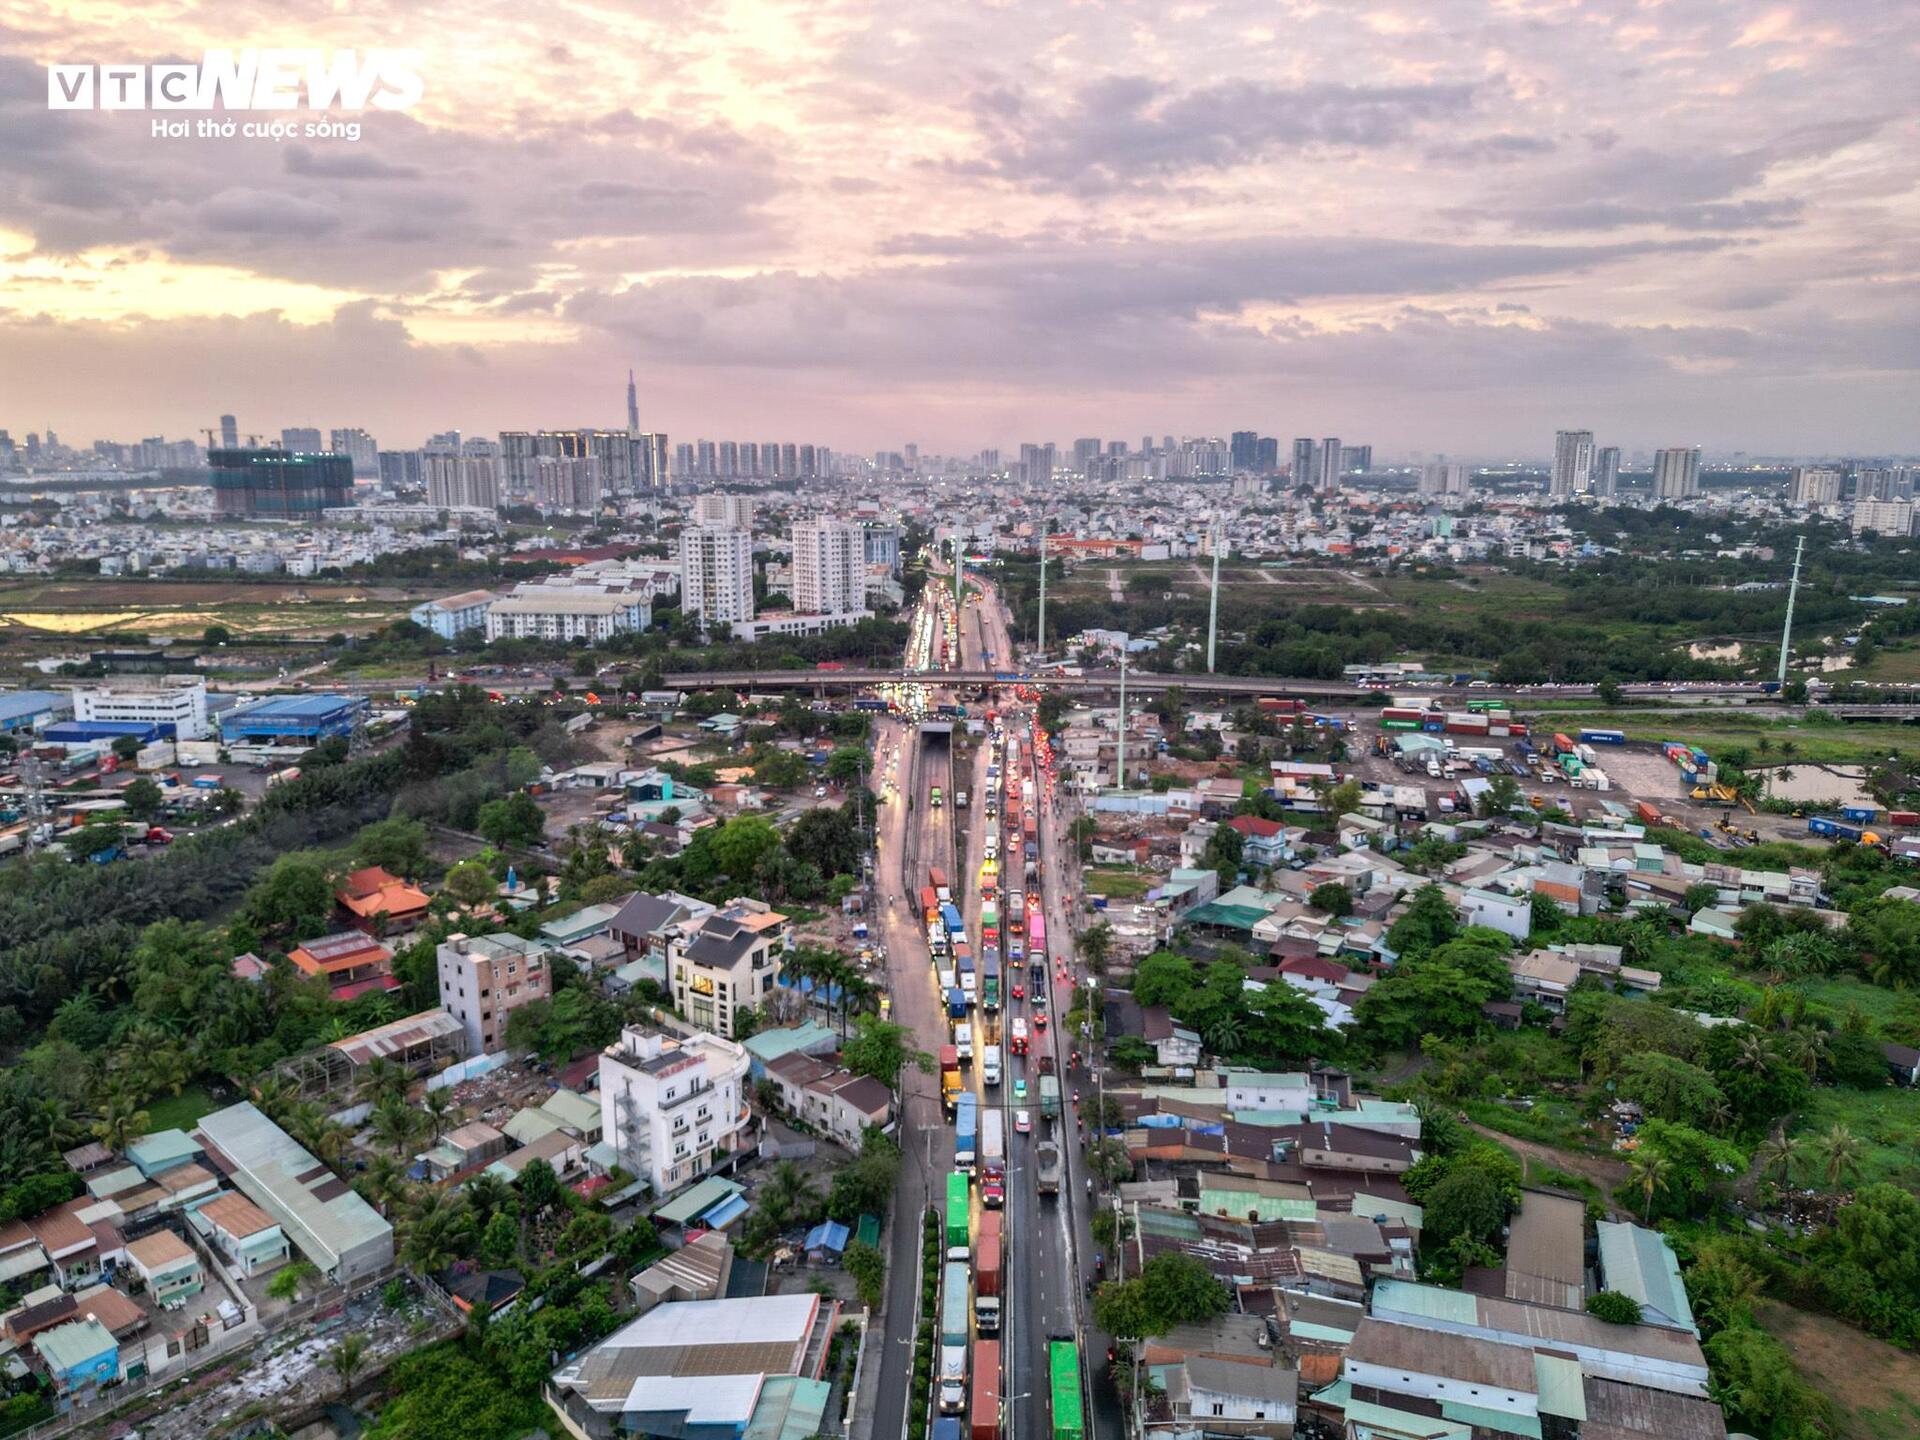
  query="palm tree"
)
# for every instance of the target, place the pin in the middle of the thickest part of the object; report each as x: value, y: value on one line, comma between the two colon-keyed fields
x: 1650, y: 1169
x: 1788, y: 747
x: 487, y: 1194
x: 121, y: 1121
x: 395, y: 1125
x: 439, y: 1110
x: 1779, y: 1157
x: 1223, y: 1036
x: 435, y: 1232
x: 1839, y: 1155
x: 273, y: 1094
x: 383, y: 1182
x: 1808, y: 1046
x: 378, y: 1080
x: 345, y: 1359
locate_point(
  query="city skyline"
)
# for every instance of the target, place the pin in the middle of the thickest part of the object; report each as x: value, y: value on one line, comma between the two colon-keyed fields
x: 1446, y: 229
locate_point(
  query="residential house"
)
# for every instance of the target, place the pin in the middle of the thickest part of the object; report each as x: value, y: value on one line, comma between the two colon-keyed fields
x: 646, y: 924
x: 250, y: 1239
x: 698, y: 1270
x: 170, y: 1267
x: 80, y: 1356
x: 1543, y: 977
x: 588, y: 923
x: 69, y: 1242
x: 830, y: 1098
x: 1640, y: 1263
x: 1903, y: 1062
x: 726, y: 963
x: 1217, y: 1397
x: 1265, y: 844
x: 379, y: 903
x: 1175, y: 1047
x: 1547, y: 1251
x: 1509, y: 914
x: 463, y: 1148
x: 350, y: 962
x: 485, y: 978
x: 672, y: 1109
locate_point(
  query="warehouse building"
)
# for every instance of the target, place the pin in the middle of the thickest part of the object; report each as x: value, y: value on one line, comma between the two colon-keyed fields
x: 31, y: 709
x: 176, y: 704
x: 321, y: 1214
x: 303, y: 720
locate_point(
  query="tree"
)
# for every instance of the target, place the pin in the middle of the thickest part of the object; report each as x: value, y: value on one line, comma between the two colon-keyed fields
x: 121, y: 1122
x: 846, y: 764
x: 125, y: 749
x: 1428, y: 923
x: 1670, y: 1089
x: 1839, y: 1151
x: 1756, y: 1382
x: 1172, y: 1289
x: 215, y: 635
x: 1676, y: 1167
x: 1096, y: 946
x: 293, y: 899
x: 1500, y: 797
x: 1332, y: 899
x: 516, y: 820
x: 398, y: 846
x: 1614, y: 1308
x: 500, y: 1240
x: 287, y: 1283
x: 1340, y: 799
x: 144, y: 798
x: 471, y: 884
x: 1701, y: 895
x: 739, y: 846
x: 539, y: 1187
x: 345, y: 1360
x: 881, y: 1049
x: 1650, y: 1169
x: 1280, y: 1026
x: 1465, y: 1202
x: 1887, y: 933
x: 1608, y: 691
x: 869, y: 1271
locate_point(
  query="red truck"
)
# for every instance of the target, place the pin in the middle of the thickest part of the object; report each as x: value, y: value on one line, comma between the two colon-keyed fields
x: 1903, y: 819
x: 984, y: 1420
x: 988, y: 1248
x: 1650, y: 814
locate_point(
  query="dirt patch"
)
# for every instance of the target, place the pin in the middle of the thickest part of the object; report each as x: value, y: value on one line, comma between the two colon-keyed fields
x: 1874, y: 1387
x: 1608, y: 1174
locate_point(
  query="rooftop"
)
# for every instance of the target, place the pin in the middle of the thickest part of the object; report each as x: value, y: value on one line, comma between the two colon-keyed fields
x: 259, y: 1151
x: 1546, y: 1251
x: 236, y: 1215
x: 1439, y: 1352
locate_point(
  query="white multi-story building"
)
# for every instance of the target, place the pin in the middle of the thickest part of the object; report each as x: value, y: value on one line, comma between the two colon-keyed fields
x: 716, y: 575
x: 177, y: 703
x: 725, y: 963
x: 1814, y: 485
x: 1884, y: 517
x: 1331, y: 467
x: 1443, y: 478
x: 1676, y: 473
x: 462, y: 473
x: 1572, y: 462
x: 1606, y: 471
x: 725, y: 512
x: 670, y: 1107
x: 829, y: 567
x: 555, y: 612
x: 454, y: 615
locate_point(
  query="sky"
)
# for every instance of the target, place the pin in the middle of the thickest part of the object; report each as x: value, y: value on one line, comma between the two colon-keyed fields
x: 1436, y: 226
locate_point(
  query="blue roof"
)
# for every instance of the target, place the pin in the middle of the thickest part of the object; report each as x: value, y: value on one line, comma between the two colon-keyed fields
x: 300, y: 707
x: 828, y: 1235
x: 726, y: 1212
x: 23, y: 704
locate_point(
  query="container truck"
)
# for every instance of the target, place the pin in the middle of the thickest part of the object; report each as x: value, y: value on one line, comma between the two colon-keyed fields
x: 1562, y: 744
x: 962, y: 1033
x: 1648, y: 814
x: 937, y: 878
x: 990, y: 982
x: 1050, y: 1095
x: 990, y: 1065
x: 966, y: 1132
x: 959, y: 1203
x: 950, y: 917
x: 956, y: 1304
x: 993, y: 1157
x: 949, y: 1075
x: 929, y: 904
x: 1063, y: 1380
x: 986, y: 1274
x: 1046, y: 1167
x: 984, y: 1420
x: 957, y: 1010
x: 1016, y: 907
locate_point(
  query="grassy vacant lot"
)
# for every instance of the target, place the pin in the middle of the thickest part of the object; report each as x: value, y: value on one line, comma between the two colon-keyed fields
x: 182, y: 1111
x: 1834, y: 744
x: 1885, y: 1121
x: 1117, y: 884
x: 101, y: 607
x: 1874, y: 1387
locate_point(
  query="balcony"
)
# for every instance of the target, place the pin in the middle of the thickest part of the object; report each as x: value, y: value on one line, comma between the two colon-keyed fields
x: 704, y: 1087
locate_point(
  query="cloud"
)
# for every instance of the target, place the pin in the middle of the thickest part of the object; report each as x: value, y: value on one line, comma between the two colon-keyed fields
x: 1125, y: 132
x: 1490, y: 149
x: 1611, y: 215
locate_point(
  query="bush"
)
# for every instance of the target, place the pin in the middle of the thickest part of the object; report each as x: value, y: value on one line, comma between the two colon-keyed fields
x: 1614, y: 1308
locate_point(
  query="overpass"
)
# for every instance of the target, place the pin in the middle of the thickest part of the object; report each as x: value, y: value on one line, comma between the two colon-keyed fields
x: 1141, y: 681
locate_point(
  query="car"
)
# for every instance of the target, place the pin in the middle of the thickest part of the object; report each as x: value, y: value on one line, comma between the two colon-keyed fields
x: 1020, y: 1091
x: 819, y: 792
x: 1022, y: 1121
x: 1039, y: 1019
x: 1019, y: 991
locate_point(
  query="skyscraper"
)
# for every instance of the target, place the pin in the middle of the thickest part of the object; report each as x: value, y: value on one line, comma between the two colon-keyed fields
x: 1357, y: 459
x: 1330, y: 466
x: 1606, y: 471
x: 1306, y: 468
x: 1085, y: 452
x: 1572, y: 463
x: 730, y: 460
x: 716, y: 575
x: 461, y: 472
x: 302, y: 440
x: 1266, y: 455
x: 1244, y: 447
x: 1036, y: 463
x: 1676, y: 473
x: 633, y: 404
x: 229, y: 433
x: 789, y: 460
x: 628, y: 462
x: 829, y: 567
x: 1443, y: 478
x: 357, y: 445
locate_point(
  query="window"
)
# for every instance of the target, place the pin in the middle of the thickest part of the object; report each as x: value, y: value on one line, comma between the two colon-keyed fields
x: 1218, y: 1408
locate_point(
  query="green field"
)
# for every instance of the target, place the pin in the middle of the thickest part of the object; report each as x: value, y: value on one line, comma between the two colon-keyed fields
x: 1117, y: 884
x: 182, y: 1111
x: 1885, y: 1121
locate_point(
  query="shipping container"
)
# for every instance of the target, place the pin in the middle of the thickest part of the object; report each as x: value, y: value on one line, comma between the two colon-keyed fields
x: 959, y: 1205
x: 1861, y: 814
x: 989, y: 1248
x: 966, y: 1132
x: 1649, y: 814
x: 1562, y: 744
x: 1604, y: 737
x: 984, y: 1422
x: 949, y: 1074
x: 993, y: 1143
x: 1063, y: 1379
x: 956, y: 1306
x: 1903, y: 819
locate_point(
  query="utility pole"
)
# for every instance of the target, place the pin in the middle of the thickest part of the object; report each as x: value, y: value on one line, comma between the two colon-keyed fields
x: 1045, y: 525
x: 1786, y: 633
x: 956, y: 589
x: 1213, y: 602
x: 1120, y: 739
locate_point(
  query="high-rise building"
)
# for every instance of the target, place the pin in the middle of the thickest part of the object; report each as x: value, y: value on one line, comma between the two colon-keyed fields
x: 1085, y: 452
x: 279, y: 484
x: 1606, y: 472
x: 1814, y: 485
x: 401, y: 469
x: 829, y: 567
x: 573, y: 483
x: 1306, y: 462
x: 1676, y: 473
x: 1036, y: 464
x: 1883, y: 517
x: 357, y: 445
x: 729, y: 460
x: 716, y: 575
x: 789, y: 460
x: 726, y: 512
x: 633, y: 404
x: 1444, y: 477
x: 883, y: 544
x: 707, y: 465
x: 229, y: 433
x: 301, y: 440
x: 683, y: 460
x: 1884, y: 483
x: 1244, y: 448
x: 808, y: 463
x: 1572, y: 463
x: 1356, y: 460
x: 628, y: 463
x: 463, y: 472
x: 1266, y: 455
x: 1330, y: 469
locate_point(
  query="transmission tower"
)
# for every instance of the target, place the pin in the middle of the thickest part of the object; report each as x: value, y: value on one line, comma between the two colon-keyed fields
x: 1786, y: 632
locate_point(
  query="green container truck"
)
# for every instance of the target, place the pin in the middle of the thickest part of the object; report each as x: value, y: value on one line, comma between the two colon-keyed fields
x: 959, y: 1205
x: 1050, y: 1095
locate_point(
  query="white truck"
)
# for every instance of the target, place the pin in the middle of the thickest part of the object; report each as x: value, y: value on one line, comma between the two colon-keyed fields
x: 990, y: 1065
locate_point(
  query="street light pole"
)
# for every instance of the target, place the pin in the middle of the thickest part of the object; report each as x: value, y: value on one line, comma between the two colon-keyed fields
x: 1045, y: 526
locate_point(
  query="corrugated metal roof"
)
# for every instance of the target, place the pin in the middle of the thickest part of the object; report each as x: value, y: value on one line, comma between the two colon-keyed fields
x: 1430, y: 1301
x: 1639, y: 1262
